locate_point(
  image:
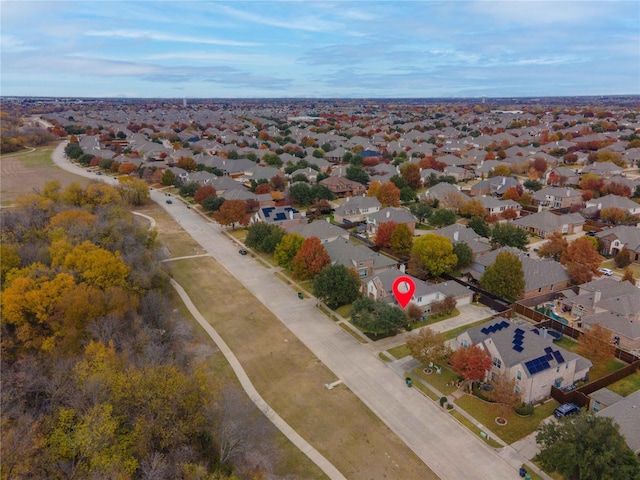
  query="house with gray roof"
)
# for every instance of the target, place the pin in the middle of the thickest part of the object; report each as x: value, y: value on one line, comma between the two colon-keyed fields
x: 560, y: 176
x: 544, y: 223
x: 626, y: 414
x: 286, y: 216
x: 609, y: 201
x: 441, y: 190
x: 495, y: 206
x: 355, y: 209
x: 457, y: 233
x: 557, y: 197
x: 613, y: 240
x: 390, y: 214
x: 603, y: 169
x: 362, y: 259
x: 540, y: 275
x: 321, y: 229
x: 527, y: 355
x: 494, y: 185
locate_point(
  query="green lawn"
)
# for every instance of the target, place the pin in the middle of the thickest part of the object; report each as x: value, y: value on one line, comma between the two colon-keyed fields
x: 627, y: 385
x: 516, y: 428
x: 436, y: 318
x: 567, y: 343
x: 344, y: 311
x: 444, y: 383
x: 400, y: 351
x: 600, y: 369
x: 471, y: 427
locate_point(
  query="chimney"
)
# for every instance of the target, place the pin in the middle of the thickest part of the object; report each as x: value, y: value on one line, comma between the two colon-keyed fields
x: 504, y: 180
x: 456, y: 234
x: 290, y: 214
x: 596, y: 296
x: 544, y: 332
x: 347, y: 200
x: 388, y: 213
x: 568, y: 192
x: 599, y: 206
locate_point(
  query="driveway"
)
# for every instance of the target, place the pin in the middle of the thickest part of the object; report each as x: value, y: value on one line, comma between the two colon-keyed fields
x: 449, y: 449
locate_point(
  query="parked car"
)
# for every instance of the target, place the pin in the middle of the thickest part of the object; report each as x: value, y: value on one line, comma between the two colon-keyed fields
x: 169, y: 201
x: 606, y: 271
x: 242, y: 251
x: 98, y: 173
x: 566, y: 409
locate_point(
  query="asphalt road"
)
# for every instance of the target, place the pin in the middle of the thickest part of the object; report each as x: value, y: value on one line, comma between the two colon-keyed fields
x: 449, y: 449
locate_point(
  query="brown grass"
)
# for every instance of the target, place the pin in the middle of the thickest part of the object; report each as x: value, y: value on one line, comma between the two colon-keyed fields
x: 292, y: 380
x: 24, y: 172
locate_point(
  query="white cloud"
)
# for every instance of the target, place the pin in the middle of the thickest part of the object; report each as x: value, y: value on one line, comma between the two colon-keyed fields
x: 162, y: 37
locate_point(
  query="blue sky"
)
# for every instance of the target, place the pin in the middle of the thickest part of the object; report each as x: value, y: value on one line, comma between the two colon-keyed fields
x: 340, y: 49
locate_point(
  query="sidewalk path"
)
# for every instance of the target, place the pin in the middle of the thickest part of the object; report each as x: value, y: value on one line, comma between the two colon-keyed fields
x: 315, y: 456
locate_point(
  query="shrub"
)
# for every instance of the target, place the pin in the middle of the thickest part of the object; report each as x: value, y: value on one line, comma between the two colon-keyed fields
x: 443, y: 400
x: 525, y: 410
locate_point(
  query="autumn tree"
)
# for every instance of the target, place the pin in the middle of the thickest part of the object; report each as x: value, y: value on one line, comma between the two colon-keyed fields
x: 337, y: 285
x: 434, y: 253
x: 473, y: 208
x: 232, y: 212
x: 388, y: 195
x: 411, y: 173
x: 554, y: 247
x: 134, y: 191
x: 384, y: 232
x: 595, y: 344
x: 374, y: 189
x: 623, y: 258
x: 504, y: 277
x: 401, y: 239
x: 471, y: 363
x: 628, y: 276
x: 310, y: 260
x: 511, y: 194
x: 428, y: 346
x: 613, y: 215
x: 582, y: 260
x: 188, y: 164
x: 203, y: 193
x: 287, y: 249
x: 453, y: 201
x: 504, y: 393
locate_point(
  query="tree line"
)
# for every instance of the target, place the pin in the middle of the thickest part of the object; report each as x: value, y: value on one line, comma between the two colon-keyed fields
x: 98, y: 376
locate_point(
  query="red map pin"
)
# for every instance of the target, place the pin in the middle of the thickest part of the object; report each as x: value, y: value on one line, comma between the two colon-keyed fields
x: 403, y: 288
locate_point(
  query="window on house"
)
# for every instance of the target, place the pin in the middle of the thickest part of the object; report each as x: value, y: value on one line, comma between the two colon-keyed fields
x: 596, y: 406
x: 519, y: 375
x: 558, y: 368
x: 517, y: 389
x: 497, y: 362
x: 465, y: 344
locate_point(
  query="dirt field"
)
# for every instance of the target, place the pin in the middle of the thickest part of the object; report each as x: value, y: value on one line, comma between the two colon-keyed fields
x: 24, y: 172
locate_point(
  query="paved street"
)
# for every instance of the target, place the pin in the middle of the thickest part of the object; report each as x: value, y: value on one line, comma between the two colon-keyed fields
x: 450, y: 450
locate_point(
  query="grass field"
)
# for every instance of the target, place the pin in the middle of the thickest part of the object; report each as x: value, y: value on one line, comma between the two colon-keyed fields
x: 25, y: 172
x: 292, y: 380
x: 627, y: 385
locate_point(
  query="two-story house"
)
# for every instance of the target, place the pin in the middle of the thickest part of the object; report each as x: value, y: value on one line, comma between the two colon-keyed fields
x: 557, y: 197
x: 355, y: 209
x: 286, y: 216
x: 527, y: 355
x: 362, y: 259
x: 390, y: 214
x: 613, y: 240
x: 612, y: 201
x: 343, y: 187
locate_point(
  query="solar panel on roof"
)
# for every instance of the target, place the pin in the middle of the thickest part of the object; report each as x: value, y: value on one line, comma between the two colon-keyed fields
x: 484, y: 330
x: 281, y: 216
x: 518, y: 348
x: 548, y: 356
x: 558, y: 356
x: 504, y: 324
x: 518, y: 331
x: 548, y: 349
x: 517, y: 342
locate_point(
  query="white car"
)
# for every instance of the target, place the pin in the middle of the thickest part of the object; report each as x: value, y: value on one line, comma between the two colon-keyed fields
x: 606, y: 271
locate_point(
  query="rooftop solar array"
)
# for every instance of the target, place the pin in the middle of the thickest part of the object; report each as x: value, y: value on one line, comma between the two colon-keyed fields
x: 537, y: 365
x: 518, y: 337
x: 494, y: 328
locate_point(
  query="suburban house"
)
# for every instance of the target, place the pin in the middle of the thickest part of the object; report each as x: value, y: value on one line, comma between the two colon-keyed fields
x: 544, y: 223
x: 354, y: 209
x: 309, y: 173
x: 540, y: 275
x: 613, y: 305
x: 285, y: 216
x: 613, y: 240
x: 562, y: 176
x: 557, y: 197
x: 441, y: 190
x: 494, y: 185
x: 321, y: 229
x: 362, y: 259
x: 609, y: 201
x: 380, y: 287
x: 603, y: 169
x: 343, y: 187
x: 390, y: 214
x: 462, y: 234
x: 528, y: 355
x: 495, y: 206
x: 624, y: 412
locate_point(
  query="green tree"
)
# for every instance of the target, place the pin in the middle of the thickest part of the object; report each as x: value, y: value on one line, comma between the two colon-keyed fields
x: 464, y: 254
x: 435, y: 254
x: 377, y: 317
x: 264, y: 237
x: 428, y: 346
x: 421, y: 211
x: 212, y: 203
x: 310, y: 260
x: 168, y: 178
x: 189, y: 189
x: 586, y: 447
x: 533, y: 185
x: 442, y: 217
x: 301, y: 193
x: 508, y: 235
x: 480, y: 226
x: 336, y: 285
x: 287, y: 248
x: 357, y: 174
x: 505, y: 277
x: 401, y: 239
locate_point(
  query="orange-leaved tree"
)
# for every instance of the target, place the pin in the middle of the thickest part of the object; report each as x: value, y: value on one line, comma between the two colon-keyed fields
x: 383, y: 235
x: 310, y: 259
x: 232, y: 212
x: 471, y: 363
